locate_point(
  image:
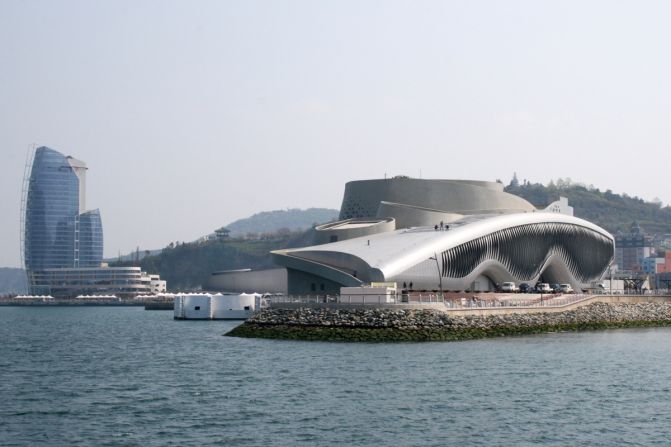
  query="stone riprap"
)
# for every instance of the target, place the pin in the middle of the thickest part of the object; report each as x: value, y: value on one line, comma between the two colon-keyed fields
x: 425, y: 325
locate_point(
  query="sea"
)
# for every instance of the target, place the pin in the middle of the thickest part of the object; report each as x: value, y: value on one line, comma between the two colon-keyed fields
x: 110, y: 376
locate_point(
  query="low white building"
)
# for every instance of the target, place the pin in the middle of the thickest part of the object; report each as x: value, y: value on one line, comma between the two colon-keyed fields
x: 157, y: 285
x: 205, y: 306
x: 123, y: 282
x: 368, y: 294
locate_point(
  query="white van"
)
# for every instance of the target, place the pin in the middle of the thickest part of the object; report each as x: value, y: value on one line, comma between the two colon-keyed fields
x: 509, y: 287
x: 543, y: 287
x: 565, y: 288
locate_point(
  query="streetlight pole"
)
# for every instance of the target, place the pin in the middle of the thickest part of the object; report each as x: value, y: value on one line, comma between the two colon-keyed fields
x: 611, y: 280
x: 440, y: 277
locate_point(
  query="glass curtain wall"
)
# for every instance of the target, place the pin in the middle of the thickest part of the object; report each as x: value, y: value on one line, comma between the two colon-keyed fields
x: 90, y: 239
x: 52, y: 206
x: 56, y: 234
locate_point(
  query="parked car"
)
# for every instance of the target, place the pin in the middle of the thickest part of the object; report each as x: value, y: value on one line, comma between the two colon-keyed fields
x: 556, y: 288
x: 543, y: 287
x: 565, y: 288
x: 525, y: 288
x: 508, y: 287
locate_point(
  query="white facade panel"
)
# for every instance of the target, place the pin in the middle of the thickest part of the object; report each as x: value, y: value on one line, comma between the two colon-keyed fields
x: 233, y: 307
x: 197, y: 307
x: 367, y: 295
x: 204, y: 306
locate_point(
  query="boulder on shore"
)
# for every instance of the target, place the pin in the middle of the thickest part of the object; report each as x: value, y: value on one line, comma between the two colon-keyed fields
x: 377, y: 324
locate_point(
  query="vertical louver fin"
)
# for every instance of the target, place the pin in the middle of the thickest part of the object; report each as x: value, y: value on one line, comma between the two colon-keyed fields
x: 524, y: 249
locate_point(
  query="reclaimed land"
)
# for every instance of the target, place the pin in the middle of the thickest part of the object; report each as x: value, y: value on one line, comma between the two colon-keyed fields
x: 406, y: 325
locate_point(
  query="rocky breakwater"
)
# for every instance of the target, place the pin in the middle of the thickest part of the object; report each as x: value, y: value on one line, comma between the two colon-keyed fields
x: 433, y: 325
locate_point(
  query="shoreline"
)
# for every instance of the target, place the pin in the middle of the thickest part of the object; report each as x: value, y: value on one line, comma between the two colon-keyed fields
x: 388, y: 325
x: 149, y: 304
x: 395, y: 335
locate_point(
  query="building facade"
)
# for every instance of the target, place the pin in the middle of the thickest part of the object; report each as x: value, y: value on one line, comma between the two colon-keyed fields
x: 665, y: 265
x: 123, y: 282
x: 248, y: 281
x: 631, y: 248
x: 58, y: 230
x: 62, y: 241
x: 448, y: 235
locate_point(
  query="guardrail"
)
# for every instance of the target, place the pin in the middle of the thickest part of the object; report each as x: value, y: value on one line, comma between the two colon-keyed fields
x: 549, y: 300
x: 465, y: 302
x: 419, y: 298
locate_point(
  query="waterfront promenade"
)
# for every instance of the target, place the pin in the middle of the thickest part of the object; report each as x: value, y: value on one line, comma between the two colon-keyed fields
x: 147, y: 302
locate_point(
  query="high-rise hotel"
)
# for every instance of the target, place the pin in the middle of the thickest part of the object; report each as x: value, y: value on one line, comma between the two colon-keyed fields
x: 59, y: 231
x: 62, y: 246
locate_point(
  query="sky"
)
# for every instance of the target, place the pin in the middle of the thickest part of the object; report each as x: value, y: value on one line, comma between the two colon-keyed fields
x: 192, y: 114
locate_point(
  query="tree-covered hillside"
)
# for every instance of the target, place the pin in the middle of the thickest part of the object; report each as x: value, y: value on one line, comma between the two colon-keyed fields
x: 188, y: 266
x: 614, y: 212
x: 271, y: 221
x: 263, y: 225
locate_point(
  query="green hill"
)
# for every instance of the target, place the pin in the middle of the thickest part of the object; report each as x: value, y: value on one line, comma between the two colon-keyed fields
x: 261, y: 225
x: 291, y: 219
x: 614, y: 212
x: 188, y: 266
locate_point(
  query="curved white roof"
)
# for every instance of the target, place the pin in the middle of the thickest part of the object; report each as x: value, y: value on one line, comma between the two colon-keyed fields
x: 397, y: 251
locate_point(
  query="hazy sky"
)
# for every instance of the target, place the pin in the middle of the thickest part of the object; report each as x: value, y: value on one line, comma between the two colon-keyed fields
x: 191, y: 114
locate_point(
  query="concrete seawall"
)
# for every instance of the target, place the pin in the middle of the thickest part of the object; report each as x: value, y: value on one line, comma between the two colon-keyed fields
x: 398, y: 323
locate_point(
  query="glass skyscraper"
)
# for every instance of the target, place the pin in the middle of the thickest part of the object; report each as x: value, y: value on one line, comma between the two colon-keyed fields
x: 58, y: 230
x: 90, y: 239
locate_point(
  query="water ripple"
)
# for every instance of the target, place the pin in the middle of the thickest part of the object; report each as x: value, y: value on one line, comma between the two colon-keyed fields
x: 128, y: 377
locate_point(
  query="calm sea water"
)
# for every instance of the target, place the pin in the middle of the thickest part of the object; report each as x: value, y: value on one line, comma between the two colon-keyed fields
x: 126, y: 376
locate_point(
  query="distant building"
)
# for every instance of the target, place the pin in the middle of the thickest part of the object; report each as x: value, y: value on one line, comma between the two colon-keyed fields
x: 58, y: 230
x: 662, y: 241
x: 123, y: 282
x: 62, y: 241
x: 156, y: 284
x: 222, y: 233
x: 665, y: 267
x: 561, y: 206
x: 652, y: 265
x: 631, y: 248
